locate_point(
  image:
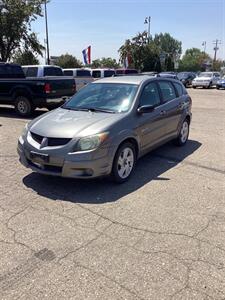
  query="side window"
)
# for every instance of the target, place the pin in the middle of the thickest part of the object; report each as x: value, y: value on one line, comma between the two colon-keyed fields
x: 32, y: 72
x: 150, y: 95
x: 168, y: 91
x: 96, y: 74
x: 68, y: 73
x: 179, y: 88
x: 52, y: 71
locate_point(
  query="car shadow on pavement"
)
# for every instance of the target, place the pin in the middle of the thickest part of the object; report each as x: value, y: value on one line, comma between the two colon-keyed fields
x: 97, y: 191
x: 9, y: 112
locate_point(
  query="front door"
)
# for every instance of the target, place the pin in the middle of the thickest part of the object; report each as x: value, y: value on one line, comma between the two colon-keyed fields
x: 151, y: 128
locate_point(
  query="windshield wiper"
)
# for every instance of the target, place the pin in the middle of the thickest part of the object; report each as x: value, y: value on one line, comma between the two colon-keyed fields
x: 93, y: 109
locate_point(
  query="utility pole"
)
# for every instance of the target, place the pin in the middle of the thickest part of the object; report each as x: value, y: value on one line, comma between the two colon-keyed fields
x: 216, y: 48
x: 204, y: 46
x: 148, y: 21
x: 46, y: 27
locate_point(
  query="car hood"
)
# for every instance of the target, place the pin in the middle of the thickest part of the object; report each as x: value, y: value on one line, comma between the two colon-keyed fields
x: 63, y: 123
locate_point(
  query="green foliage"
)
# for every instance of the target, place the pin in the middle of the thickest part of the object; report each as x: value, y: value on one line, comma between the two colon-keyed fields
x: 25, y: 58
x: 146, y: 54
x: 16, y: 17
x: 193, y: 60
x: 68, y: 61
x: 105, y: 62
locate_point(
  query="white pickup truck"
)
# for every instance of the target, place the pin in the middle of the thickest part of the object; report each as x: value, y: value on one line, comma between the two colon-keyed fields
x: 82, y: 76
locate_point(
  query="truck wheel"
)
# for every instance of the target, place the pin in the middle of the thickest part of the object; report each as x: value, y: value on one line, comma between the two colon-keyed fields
x: 23, y: 106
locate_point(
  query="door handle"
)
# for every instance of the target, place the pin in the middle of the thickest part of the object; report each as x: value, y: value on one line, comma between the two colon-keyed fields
x: 162, y: 112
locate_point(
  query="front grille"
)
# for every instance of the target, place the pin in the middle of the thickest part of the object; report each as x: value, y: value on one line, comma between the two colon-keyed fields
x: 51, y: 141
x: 48, y: 168
x: 36, y: 137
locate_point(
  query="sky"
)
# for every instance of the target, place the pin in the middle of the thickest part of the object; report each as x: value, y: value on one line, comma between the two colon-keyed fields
x: 106, y: 24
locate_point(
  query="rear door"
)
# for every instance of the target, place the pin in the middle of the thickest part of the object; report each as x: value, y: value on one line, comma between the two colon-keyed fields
x: 172, y: 107
x: 151, y: 125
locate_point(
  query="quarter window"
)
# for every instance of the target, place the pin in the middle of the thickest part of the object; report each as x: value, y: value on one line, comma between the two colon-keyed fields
x: 150, y: 95
x: 96, y: 74
x: 179, y: 89
x: 168, y: 91
x: 31, y: 72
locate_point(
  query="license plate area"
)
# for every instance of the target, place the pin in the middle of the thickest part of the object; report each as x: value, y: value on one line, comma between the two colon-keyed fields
x: 39, y: 157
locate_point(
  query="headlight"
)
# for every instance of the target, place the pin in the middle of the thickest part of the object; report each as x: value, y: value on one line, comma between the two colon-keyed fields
x: 90, y: 142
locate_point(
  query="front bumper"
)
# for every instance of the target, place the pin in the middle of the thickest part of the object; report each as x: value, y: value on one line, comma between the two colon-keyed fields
x: 201, y: 83
x: 77, y: 165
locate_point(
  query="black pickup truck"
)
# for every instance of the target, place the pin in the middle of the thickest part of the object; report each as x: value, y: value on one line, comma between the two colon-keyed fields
x: 25, y: 94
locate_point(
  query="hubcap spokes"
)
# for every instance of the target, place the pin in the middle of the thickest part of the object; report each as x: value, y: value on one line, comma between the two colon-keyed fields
x: 125, y: 163
x: 22, y: 107
x: 184, y: 132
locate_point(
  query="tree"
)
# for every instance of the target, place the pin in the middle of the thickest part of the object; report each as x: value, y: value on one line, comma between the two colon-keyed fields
x: 25, y: 58
x: 16, y: 17
x: 194, y: 60
x: 68, y: 61
x: 170, y: 47
x: 105, y: 62
x: 145, y: 53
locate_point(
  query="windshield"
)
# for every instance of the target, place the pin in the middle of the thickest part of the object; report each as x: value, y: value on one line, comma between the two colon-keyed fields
x: 183, y: 75
x: 205, y: 74
x: 110, y: 97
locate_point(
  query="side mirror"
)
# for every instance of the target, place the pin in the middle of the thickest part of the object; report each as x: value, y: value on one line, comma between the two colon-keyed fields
x: 145, y: 109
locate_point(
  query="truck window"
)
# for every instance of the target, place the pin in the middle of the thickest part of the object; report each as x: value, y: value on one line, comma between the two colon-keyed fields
x: 68, y: 73
x: 52, y: 71
x: 96, y: 74
x: 31, y: 72
x: 109, y: 73
x: 83, y: 73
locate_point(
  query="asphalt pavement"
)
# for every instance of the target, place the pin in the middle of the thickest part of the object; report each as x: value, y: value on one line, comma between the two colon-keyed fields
x: 159, y: 236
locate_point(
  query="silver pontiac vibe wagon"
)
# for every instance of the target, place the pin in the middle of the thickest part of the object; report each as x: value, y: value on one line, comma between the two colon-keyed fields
x: 106, y: 127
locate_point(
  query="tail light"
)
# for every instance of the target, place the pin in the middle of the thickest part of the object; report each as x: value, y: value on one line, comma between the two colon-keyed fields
x: 47, y: 88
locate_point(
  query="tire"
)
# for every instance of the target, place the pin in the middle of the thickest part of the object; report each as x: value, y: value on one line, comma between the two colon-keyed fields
x: 182, y: 138
x: 209, y: 86
x: 23, y: 106
x: 194, y: 87
x: 217, y: 87
x: 126, y: 155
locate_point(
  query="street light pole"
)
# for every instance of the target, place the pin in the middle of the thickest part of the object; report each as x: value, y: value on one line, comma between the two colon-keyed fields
x: 46, y: 27
x: 148, y: 21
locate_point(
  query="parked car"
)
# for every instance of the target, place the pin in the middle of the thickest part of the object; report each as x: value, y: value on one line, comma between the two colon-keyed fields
x: 171, y: 75
x: 102, y: 73
x: 186, y: 78
x: 221, y: 83
x: 153, y: 74
x: 42, y: 70
x: 81, y: 76
x: 25, y: 94
x: 126, y: 71
x: 105, y: 127
x: 206, y: 79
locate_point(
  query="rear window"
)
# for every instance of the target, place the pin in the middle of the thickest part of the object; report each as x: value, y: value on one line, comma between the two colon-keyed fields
x: 68, y: 73
x: 179, y: 88
x: 168, y: 91
x: 109, y: 73
x: 96, y: 74
x: 11, y: 71
x: 31, y: 72
x: 83, y: 73
x: 52, y: 71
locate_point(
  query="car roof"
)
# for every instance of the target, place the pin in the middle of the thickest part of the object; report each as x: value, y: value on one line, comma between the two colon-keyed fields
x: 138, y: 79
x: 42, y: 66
